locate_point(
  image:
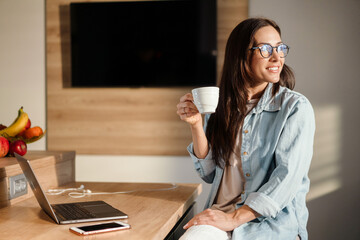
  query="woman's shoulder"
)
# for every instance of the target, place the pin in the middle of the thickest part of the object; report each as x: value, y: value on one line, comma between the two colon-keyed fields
x: 293, y: 102
x: 291, y: 97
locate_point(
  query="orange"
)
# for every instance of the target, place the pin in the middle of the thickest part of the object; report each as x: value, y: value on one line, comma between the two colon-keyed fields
x: 33, y: 132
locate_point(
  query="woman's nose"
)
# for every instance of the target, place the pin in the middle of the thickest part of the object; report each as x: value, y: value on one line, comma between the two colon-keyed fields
x: 275, y: 56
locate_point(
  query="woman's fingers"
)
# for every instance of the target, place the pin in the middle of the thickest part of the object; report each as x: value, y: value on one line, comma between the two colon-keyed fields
x: 191, y: 223
x: 216, y: 218
x: 199, y: 219
x: 187, y: 97
x: 186, y: 106
x: 187, y: 110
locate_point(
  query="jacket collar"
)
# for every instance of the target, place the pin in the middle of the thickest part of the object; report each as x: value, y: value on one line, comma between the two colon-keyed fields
x: 267, y: 102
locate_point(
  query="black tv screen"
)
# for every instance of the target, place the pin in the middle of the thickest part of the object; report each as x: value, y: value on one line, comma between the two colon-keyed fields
x: 143, y: 43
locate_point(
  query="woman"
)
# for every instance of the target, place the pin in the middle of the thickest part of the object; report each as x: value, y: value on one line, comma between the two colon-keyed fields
x: 256, y: 148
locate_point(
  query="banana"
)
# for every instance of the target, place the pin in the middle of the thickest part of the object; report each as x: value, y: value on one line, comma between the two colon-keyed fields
x: 17, y: 126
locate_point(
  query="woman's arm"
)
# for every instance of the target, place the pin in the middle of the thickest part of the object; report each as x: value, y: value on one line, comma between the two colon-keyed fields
x: 188, y: 112
x: 200, y: 142
x: 292, y: 157
x: 244, y: 214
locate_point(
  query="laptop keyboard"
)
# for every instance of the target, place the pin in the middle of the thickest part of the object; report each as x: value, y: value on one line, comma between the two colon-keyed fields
x: 72, y: 212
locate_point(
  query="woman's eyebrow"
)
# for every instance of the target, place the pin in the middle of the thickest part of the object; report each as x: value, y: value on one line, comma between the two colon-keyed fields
x: 267, y: 43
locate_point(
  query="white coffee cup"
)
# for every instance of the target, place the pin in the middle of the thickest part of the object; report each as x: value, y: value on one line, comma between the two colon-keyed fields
x: 206, y: 99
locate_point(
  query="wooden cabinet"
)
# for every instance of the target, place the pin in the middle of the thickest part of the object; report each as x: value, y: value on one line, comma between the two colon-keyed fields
x: 52, y: 168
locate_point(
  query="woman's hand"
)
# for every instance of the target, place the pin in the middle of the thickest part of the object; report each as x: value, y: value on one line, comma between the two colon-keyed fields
x: 216, y: 218
x: 224, y: 221
x: 187, y: 110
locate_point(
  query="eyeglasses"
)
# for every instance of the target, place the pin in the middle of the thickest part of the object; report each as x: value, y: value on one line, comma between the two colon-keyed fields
x: 266, y: 50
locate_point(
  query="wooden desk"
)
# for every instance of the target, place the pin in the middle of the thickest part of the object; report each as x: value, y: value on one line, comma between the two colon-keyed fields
x: 152, y: 214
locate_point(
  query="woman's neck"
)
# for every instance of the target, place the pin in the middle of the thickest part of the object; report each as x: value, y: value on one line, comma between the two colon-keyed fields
x: 255, y: 92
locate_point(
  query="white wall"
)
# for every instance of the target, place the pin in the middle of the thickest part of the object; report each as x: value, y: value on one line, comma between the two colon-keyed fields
x: 323, y: 36
x: 140, y: 169
x: 22, y: 62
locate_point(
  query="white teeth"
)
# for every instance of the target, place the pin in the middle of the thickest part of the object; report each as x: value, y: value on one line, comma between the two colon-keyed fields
x: 274, y: 68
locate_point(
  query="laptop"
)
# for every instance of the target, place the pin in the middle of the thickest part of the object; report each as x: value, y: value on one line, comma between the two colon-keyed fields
x: 66, y: 213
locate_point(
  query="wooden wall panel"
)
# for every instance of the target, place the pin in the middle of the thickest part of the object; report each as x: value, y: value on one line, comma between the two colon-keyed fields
x: 122, y: 121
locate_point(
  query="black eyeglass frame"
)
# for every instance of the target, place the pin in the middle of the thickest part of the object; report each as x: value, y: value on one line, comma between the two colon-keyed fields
x: 276, y: 47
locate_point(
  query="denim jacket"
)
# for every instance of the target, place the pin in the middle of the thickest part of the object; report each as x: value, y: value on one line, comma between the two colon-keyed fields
x: 276, y: 151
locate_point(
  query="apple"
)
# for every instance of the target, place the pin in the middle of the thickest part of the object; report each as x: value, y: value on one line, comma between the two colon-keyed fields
x: 4, y: 146
x: 19, y: 147
x: 27, y: 126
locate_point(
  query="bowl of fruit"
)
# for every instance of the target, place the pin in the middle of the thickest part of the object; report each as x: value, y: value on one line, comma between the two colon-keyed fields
x: 15, y: 137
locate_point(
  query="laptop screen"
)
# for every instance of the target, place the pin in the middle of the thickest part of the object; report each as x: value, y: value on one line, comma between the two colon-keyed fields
x: 35, y: 186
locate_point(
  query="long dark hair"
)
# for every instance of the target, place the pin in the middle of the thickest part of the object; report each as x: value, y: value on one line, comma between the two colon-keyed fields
x: 224, y: 124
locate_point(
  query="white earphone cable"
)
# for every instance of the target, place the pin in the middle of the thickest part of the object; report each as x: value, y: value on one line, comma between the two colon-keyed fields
x: 88, y: 192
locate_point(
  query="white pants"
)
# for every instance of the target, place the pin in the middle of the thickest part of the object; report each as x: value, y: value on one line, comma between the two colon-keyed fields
x: 205, y: 232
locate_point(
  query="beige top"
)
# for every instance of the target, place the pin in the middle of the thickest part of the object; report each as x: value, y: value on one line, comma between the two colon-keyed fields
x: 233, y: 179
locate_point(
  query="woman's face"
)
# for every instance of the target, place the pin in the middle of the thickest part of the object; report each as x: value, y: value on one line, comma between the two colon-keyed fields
x: 266, y: 70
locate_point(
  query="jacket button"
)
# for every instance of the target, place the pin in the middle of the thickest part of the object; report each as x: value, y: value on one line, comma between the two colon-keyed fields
x: 247, y: 174
x: 245, y: 153
x: 246, y: 131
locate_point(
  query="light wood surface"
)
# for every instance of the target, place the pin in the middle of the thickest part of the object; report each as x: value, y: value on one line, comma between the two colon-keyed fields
x: 55, y: 168
x: 123, y: 121
x: 152, y: 214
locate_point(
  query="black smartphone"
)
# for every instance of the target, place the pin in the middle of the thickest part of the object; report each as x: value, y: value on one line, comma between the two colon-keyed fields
x: 99, y: 228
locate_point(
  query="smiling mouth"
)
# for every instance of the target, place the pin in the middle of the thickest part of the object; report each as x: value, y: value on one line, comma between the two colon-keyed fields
x: 273, y: 69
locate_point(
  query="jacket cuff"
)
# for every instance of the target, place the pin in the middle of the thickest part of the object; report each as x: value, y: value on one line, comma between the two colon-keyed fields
x: 206, y: 165
x: 262, y: 204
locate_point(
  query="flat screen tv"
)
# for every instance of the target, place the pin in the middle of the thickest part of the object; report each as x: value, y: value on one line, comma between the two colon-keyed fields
x: 168, y: 43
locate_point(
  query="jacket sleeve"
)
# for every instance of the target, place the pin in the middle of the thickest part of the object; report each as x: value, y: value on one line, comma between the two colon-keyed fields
x: 292, y: 158
x: 204, y: 167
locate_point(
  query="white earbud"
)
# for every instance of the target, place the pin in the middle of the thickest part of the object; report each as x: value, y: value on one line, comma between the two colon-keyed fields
x: 60, y: 191
x: 53, y: 190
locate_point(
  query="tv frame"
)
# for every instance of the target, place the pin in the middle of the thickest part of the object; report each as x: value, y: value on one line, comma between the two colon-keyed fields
x: 207, y: 45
